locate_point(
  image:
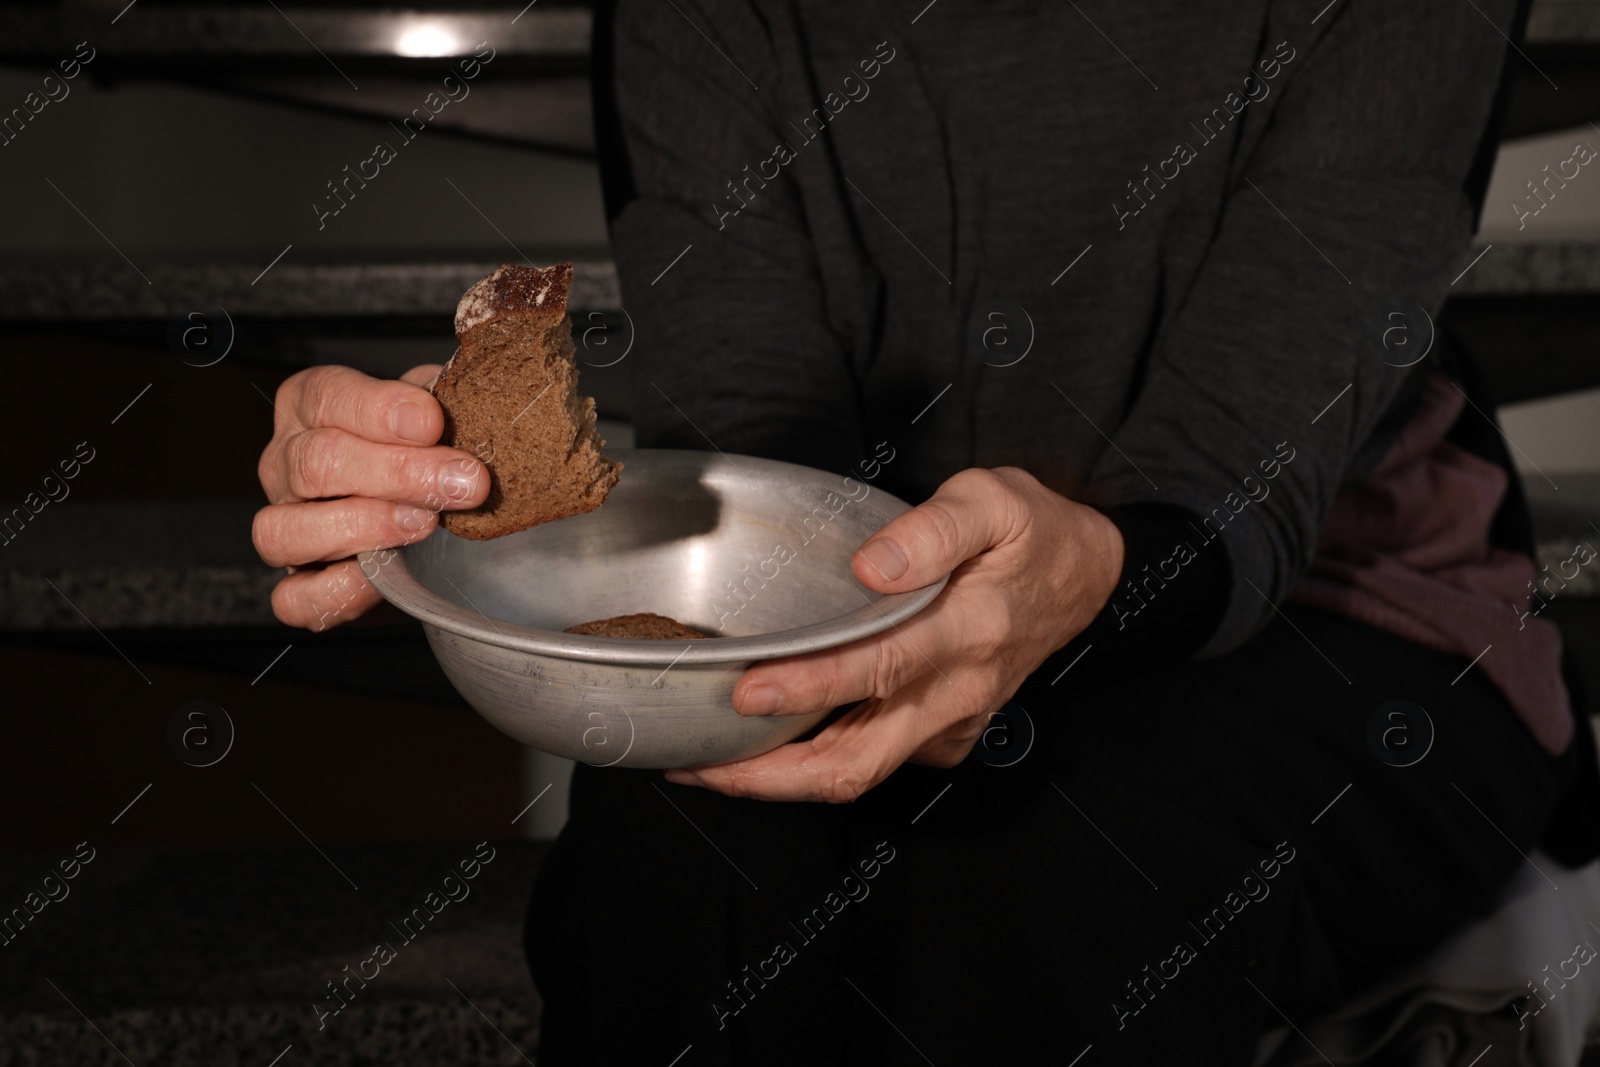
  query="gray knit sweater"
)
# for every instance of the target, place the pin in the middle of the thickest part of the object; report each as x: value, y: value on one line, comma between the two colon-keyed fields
x: 1144, y: 251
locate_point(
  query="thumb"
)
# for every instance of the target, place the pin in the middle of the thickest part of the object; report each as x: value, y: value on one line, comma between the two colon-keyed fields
x: 424, y: 375
x: 969, y: 514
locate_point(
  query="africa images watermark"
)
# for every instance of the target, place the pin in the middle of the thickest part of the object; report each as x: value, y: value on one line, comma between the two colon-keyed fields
x: 1211, y: 127
x: 1210, y: 928
x: 384, y: 953
x: 384, y: 153
x: 1400, y: 733
x: 1582, y: 153
x: 1184, y: 553
x: 12, y: 924
x: 200, y: 733
x: 855, y: 90
x: 1582, y: 955
x: 201, y: 337
x: 54, y: 488
x: 752, y: 981
x: 343, y: 588
x: 55, y: 91
x: 738, y: 593
x: 1582, y: 554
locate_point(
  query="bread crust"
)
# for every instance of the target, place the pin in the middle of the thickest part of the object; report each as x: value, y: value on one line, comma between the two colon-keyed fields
x: 509, y: 395
x: 514, y: 290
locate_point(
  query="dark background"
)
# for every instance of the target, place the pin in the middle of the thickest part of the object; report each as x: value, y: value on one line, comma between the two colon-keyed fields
x: 185, y: 159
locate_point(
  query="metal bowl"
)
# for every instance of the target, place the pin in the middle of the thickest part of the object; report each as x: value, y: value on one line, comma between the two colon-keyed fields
x: 752, y: 550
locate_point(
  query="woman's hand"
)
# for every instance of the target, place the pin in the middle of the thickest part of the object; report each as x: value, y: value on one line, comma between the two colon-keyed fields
x: 1029, y: 570
x: 349, y: 468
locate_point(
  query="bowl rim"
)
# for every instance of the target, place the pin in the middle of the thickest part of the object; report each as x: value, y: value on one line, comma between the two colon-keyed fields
x: 397, y: 584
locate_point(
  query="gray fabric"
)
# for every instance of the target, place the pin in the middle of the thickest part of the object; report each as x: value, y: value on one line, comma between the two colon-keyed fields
x: 817, y: 310
x: 1444, y: 1010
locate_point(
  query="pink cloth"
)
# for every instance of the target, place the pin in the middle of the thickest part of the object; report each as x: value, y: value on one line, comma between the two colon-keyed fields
x: 1408, y: 552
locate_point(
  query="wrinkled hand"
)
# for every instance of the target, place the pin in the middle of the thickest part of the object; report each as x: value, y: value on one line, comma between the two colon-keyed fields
x: 352, y: 465
x: 1029, y: 570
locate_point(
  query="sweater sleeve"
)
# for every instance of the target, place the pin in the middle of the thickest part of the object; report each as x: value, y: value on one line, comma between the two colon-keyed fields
x: 735, y: 348
x: 1351, y: 205
x: 1168, y: 601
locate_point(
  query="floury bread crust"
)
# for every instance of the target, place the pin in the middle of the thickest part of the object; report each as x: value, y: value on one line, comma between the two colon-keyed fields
x: 645, y: 624
x: 510, y: 397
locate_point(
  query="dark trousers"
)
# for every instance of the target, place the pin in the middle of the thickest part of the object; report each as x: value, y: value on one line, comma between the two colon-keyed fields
x: 1160, y: 877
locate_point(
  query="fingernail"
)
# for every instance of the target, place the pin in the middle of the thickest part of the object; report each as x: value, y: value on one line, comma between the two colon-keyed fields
x: 885, y: 557
x: 459, y: 479
x: 411, y: 520
x: 408, y: 421
x: 761, y: 700
x: 681, y: 777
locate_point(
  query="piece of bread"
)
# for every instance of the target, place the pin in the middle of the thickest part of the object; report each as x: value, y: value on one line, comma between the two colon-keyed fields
x: 510, y: 397
x: 644, y: 624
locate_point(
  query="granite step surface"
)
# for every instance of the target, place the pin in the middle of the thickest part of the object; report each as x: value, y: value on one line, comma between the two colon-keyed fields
x: 223, y: 957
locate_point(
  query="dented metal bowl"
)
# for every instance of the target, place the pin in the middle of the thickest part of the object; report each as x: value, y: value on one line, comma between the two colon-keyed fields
x: 753, y: 550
